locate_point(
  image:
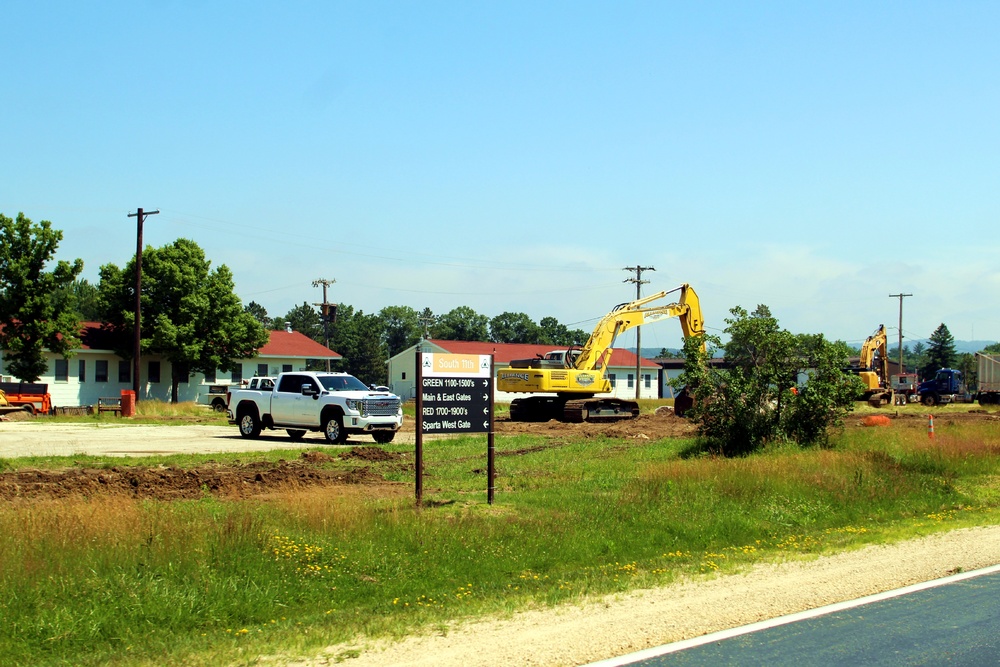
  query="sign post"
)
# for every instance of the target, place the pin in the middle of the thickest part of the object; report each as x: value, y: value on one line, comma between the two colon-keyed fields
x: 454, y: 395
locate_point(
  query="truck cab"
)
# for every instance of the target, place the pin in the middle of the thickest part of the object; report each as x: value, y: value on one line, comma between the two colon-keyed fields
x: 947, y: 386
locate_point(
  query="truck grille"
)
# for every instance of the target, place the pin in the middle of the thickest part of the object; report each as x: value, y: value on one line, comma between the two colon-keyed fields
x: 381, y: 407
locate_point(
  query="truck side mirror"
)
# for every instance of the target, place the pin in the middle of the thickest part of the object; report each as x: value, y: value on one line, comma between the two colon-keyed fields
x: 309, y: 390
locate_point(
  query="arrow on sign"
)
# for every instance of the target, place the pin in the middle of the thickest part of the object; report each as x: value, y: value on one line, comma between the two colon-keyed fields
x: 486, y: 424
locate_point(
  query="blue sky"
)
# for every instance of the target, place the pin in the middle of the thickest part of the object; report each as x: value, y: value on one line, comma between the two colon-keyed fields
x: 815, y: 157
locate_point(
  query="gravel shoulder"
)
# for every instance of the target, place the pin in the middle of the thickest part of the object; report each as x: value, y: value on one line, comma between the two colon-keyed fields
x: 602, y: 628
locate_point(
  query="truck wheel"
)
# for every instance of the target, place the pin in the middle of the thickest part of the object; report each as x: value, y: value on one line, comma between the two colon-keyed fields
x: 249, y: 425
x: 294, y: 433
x: 383, y: 437
x: 333, y: 429
x: 219, y: 405
x: 929, y: 400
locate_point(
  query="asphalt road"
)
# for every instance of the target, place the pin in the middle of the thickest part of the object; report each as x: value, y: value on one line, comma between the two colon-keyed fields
x: 953, y: 621
x: 38, y: 438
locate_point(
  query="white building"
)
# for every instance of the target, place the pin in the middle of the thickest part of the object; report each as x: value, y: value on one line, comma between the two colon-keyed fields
x: 620, y: 371
x: 95, y: 371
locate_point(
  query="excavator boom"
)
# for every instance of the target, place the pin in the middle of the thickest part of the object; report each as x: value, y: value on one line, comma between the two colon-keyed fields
x: 597, y: 350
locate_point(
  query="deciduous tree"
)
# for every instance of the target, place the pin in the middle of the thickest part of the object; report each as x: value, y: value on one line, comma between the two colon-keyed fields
x: 758, y: 398
x: 400, y: 328
x: 190, y: 313
x: 358, y: 338
x: 33, y: 316
x: 462, y: 323
x: 514, y: 328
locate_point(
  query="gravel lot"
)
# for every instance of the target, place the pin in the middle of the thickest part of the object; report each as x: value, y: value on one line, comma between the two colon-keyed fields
x: 41, y: 438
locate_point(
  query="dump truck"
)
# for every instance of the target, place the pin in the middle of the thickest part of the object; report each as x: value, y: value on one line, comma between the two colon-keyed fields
x: 988, y: 367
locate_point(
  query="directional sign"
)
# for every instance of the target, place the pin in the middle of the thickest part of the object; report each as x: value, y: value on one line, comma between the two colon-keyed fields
x: 456, y: 392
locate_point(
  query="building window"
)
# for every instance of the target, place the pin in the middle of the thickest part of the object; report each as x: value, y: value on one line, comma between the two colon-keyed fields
x: 83, y: 371
x: 101, y: 370
x: 404, y: 376
x: 210, y: 377
x: 261, y: 369
x: 237, y: 377
x: 631, y: 380
x: 286, y: 368
x: 125, y: 371
x: 62, y: 370
x: 611, y: 379
x: 153, y: 371
x: 646, y: 381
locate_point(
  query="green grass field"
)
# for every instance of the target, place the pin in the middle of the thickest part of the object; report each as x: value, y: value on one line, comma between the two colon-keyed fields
x: 117, y: 581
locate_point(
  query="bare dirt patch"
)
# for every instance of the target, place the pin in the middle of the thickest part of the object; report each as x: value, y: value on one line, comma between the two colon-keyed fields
x: 645, y: 427
x: 176, y: 483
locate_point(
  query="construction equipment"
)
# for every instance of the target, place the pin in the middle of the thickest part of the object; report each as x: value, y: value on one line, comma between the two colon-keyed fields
x: 573, y: 378
x: 875, y: 369
x: 31, y: 397
x: 947, y: 386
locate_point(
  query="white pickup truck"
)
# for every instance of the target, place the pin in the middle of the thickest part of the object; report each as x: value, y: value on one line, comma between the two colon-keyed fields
x: 338, y: 404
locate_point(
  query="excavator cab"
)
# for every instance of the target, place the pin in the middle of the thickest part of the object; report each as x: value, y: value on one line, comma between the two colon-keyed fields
x: 554, y: 359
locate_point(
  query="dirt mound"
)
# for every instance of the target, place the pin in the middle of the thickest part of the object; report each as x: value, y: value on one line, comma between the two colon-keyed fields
x: 16, y: 416
x: 370, y: 454
x: 173, y: 483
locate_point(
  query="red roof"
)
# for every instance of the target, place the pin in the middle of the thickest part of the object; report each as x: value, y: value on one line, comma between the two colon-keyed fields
x: 93, y: 336
x: 504, y: 353
x: 295, y: 344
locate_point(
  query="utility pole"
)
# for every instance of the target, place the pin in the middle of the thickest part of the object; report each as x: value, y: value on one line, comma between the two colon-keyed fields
x: 326, y: 309
x: 426, y: 322
x: 139, y: 216
x: 900, y: 297
x: 638, y: 337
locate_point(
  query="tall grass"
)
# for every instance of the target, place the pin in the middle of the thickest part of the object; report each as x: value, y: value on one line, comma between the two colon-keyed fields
x: 119, y: 581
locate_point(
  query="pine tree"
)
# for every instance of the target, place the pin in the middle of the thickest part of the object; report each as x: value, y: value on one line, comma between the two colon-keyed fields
x: 940, y: 352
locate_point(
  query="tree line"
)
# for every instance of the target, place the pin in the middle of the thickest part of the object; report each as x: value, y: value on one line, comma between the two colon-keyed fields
x: 193, y: 318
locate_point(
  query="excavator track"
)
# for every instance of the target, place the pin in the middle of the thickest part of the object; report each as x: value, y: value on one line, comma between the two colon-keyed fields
x: 576, y: 411
x: 599, y: 410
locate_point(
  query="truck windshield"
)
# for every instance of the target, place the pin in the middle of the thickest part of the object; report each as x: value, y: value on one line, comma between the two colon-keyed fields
x: 342, y: 383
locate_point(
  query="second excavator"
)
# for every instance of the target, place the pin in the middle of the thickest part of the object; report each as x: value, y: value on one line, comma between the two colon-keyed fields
x: 874, y: 372
x: 567, y: 383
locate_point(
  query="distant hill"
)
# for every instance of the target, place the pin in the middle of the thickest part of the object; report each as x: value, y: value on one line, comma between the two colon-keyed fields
x: 961, y: 346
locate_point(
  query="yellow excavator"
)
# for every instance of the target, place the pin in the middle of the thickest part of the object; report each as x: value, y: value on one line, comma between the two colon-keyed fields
x: 875, y: 369
x: 572, y: 379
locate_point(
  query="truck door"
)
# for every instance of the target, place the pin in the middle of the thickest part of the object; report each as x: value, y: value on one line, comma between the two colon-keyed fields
x: 288, y: 405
